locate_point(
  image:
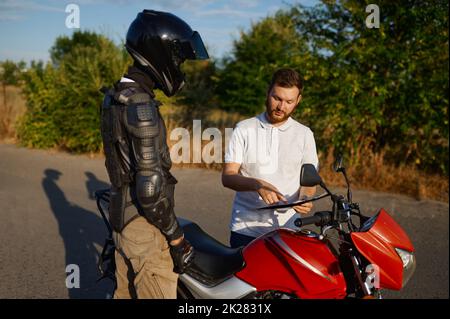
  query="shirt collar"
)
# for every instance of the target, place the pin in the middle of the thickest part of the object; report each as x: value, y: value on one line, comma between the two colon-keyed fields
x: 267, y: 125
x: 124, y: 79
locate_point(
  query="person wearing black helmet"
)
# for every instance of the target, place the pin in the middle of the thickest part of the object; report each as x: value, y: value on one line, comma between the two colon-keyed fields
x: 150, y: 247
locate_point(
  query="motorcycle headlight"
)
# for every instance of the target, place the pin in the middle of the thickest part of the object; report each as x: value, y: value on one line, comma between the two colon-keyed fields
x: 409, y: 264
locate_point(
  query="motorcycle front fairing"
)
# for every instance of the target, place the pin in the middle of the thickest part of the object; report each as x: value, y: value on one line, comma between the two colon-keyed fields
x: 382, y: 241
x: 293, y: 263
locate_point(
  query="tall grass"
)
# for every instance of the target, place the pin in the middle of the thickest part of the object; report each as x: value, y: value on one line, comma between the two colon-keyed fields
x: 11, y: 108
x: 375, y: 174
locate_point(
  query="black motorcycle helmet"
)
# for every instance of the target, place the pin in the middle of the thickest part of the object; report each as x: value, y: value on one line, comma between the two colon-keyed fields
x: 159, y: 43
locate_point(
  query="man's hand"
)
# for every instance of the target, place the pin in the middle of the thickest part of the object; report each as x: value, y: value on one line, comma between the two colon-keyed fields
x: 269, y: 193
x: 231, y: 178
x: 304, y: 208
x: 305, y: 193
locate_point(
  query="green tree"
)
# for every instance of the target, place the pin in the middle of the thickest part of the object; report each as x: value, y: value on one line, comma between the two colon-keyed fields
x: 11, y: 72
x: 381, y: 90
x: 269, y: 44
x: 367, y: 90
x: 65, y: 45
x: 197, y: 96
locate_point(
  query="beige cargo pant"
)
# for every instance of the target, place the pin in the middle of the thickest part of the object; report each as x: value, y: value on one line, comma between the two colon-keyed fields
x: 148, y: 272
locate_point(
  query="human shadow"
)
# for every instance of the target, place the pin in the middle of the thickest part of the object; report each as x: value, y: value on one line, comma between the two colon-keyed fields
x: 81, y: 230
x: 93, y: 184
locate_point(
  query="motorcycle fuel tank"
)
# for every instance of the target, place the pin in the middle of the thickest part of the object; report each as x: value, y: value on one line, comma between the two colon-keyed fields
x: 294, y: 263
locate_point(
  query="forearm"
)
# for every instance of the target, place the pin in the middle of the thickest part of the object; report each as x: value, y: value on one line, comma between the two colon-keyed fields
x: 240, y: 183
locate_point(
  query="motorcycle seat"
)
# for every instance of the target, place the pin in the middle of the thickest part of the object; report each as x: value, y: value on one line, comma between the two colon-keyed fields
x: 213, y: 262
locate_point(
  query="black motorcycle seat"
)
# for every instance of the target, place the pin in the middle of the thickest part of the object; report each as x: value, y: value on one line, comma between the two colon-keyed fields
x: 213, y: 262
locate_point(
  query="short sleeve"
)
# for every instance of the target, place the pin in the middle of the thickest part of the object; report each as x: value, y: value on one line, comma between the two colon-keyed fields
x: 309, y: 150
x: 235, y: 149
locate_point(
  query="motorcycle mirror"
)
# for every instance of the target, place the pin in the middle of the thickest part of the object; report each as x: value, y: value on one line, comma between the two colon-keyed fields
x: 309, y: 176
x: 338, y: 163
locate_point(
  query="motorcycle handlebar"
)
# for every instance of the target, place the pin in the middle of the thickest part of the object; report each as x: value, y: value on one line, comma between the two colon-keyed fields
x: 319, y: 219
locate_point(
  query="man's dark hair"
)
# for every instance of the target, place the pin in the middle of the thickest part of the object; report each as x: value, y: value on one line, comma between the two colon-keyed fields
x: 287, y: 78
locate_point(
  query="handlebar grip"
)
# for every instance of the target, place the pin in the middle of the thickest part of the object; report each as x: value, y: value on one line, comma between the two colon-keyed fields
x: 319, y: 218
x: 299, y: 222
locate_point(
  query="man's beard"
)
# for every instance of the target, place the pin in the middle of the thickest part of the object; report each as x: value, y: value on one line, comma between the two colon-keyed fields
x: 276, y: 118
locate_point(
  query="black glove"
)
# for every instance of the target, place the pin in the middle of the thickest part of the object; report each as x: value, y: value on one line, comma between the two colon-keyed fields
x: 182, y: 255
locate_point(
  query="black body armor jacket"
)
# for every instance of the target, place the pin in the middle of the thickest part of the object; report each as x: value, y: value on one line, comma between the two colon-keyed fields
x: 137, y: 159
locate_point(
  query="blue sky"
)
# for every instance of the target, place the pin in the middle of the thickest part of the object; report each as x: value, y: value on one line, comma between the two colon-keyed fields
x: 29, y: 28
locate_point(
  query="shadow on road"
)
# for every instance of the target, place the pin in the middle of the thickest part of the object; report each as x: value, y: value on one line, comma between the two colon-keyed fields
x: 94, y: 184
x: 80, y: 230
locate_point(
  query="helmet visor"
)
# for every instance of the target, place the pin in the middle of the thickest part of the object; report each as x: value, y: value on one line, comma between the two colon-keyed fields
x: 194, y: 49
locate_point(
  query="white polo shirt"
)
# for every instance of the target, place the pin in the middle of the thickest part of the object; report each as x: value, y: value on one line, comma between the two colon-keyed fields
x: 275, y: 155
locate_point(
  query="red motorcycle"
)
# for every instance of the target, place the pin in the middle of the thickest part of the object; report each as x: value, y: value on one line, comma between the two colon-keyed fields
x: 375, y: 254
x: 365, y: 256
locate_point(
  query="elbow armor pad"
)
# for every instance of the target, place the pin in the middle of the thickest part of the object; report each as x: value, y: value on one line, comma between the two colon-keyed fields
x: 156, y: 201
x: 148, y: 188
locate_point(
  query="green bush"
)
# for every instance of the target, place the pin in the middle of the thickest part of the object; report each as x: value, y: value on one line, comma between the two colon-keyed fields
x: 63, y: 99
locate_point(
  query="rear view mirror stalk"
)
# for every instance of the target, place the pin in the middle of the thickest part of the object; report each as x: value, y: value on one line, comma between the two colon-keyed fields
x: 338, y: 166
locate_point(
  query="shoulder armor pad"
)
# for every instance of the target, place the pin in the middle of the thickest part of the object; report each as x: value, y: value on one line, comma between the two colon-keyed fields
x: 142, y: 119
x: 132, y: 96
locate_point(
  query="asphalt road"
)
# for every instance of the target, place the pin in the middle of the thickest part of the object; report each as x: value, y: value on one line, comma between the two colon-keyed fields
x: 49, y: 220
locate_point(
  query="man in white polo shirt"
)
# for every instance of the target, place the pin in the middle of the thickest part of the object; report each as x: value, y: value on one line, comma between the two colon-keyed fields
x: 263, y: 162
